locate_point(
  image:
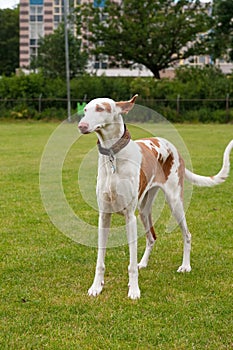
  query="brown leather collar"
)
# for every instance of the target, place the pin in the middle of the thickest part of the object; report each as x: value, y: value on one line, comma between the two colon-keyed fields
x: 118, y: 146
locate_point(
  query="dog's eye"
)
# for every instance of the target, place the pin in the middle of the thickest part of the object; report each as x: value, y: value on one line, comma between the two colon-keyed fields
x: 98, y: 108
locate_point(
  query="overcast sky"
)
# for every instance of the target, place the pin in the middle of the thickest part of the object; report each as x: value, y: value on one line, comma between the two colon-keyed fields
x: 8, y: 3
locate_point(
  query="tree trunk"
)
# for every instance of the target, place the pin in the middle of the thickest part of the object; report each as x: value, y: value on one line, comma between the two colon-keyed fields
x: 157, y: 74
x: 155, y: 71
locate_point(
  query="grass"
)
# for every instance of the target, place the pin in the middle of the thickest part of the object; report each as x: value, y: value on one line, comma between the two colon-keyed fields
x: 45, y: 275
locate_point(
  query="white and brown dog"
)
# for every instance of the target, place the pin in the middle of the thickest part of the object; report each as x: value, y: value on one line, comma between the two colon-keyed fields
x: 130, y: 173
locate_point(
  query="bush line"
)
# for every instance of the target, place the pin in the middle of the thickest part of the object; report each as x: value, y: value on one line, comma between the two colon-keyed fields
x: 194, y: 95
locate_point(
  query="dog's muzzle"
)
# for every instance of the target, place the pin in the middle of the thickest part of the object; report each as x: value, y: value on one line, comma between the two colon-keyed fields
x: 83, y: 127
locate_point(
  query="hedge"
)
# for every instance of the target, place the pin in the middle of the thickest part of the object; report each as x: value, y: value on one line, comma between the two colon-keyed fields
x: 195, y: 94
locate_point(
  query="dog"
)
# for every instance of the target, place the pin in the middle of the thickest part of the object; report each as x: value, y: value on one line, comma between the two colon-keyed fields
x: 130, y: 173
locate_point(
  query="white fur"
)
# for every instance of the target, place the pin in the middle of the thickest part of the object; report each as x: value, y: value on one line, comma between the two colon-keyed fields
x: 118, y: 191
x: 213, y: 180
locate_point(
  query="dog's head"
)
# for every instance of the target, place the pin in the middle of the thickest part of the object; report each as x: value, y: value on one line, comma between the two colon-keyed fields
x: 101, y: 112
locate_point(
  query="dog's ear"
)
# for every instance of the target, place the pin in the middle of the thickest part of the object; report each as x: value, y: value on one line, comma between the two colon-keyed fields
x: 126, y: 106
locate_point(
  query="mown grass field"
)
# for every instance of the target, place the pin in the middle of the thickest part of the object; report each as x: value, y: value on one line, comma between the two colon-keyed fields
x: 45, y: 275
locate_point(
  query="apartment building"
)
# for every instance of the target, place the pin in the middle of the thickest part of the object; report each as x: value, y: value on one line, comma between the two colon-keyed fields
x: 41, y: 17
x: 37, y: 19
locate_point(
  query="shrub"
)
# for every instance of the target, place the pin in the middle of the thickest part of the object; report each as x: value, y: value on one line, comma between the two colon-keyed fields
x: 20, y: 95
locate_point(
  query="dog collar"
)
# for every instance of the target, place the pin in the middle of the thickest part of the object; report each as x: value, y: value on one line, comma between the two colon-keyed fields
x: 117, y: 147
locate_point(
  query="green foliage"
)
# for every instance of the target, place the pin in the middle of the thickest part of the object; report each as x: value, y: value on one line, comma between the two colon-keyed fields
x: 188, y: 97
x: 9, y: 41
x: 152, y: 33
x: 92, y: 87
x: 221, y: 35
x: 51, y: 55
x: 204, y: 82
x: 31, y: 86
x: 195, y: 94
x: 190, y: 82
x: 21, y: 86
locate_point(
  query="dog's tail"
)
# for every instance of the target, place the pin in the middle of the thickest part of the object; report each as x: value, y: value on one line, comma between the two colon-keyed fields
x: 209, y: 181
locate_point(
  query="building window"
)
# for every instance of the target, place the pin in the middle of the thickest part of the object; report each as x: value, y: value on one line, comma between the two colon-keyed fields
x: 57, y: 18
x: 36, y: 30
x: 33, y: 42
x: 36, y: 14
x: 100, y: 62
x: 39, y: 10
x: 201, y: 59
x: 32, y: 10
x: 33, y: 51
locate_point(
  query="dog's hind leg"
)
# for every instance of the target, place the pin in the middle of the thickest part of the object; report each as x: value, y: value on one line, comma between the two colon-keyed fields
x: 180, y: 215
x: 146, y: 217
x: 104, y: 226
x: 176, y: 204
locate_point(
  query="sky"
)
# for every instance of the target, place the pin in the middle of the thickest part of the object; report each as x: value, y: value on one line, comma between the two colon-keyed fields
x: 8, y: 3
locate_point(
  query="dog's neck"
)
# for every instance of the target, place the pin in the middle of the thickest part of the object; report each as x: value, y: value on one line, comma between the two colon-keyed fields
x: 111, y: 133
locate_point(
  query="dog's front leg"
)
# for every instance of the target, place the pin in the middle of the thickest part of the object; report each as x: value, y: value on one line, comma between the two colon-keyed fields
x: 103, y: 230
x: 131, y: 226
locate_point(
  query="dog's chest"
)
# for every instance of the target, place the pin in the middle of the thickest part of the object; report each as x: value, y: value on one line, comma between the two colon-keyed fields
x: 117, y: 191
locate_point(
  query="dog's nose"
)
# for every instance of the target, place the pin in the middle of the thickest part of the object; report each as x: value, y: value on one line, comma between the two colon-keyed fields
x: 83, y: 127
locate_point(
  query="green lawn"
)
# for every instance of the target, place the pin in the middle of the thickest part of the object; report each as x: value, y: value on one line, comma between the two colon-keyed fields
x: 45, y: 275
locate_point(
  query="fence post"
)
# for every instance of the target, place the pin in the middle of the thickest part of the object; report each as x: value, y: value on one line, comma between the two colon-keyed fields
x: 39, y: 107
x: 227, y: 109
x: 178, y: 104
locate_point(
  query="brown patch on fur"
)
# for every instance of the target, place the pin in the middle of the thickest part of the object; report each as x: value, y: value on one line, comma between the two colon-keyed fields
x: 107, y: 107
x: 152, y: 231
x: 167, y: 165
x: 153, y: 165
x: 154, y: 141
x: 142, y: 183
x: 126, y: 106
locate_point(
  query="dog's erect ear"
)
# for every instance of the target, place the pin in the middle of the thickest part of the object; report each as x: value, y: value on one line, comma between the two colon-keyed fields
x: 126, y: 106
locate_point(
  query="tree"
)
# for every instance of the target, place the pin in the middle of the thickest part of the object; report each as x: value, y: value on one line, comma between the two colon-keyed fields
x: 9, y: 41
x: 221, y: 35
x: 153, y: 33
x: 51, y: 55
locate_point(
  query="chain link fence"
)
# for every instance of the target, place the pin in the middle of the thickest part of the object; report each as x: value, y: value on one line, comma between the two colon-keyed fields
x: 175, y: 110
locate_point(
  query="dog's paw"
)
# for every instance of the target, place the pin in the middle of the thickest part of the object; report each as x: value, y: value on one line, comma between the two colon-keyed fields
x: 142, y: 265
x: 134, y: 293
x: 95, y: 290
x: 184, y: 268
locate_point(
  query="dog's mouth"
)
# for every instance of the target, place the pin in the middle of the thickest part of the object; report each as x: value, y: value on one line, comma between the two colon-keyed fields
x: 84, y: 132
x: 99, y: 127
